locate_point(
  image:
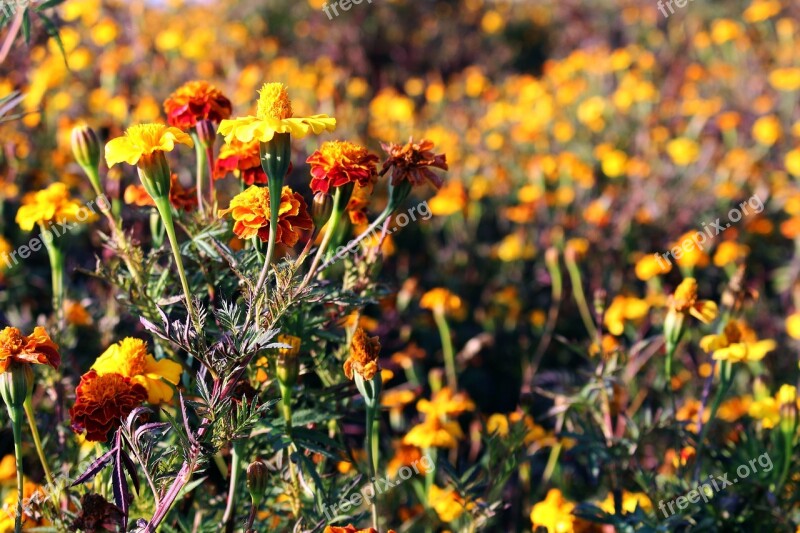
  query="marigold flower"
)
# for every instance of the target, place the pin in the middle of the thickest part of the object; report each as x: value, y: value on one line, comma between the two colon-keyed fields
x: 622, y: 309
x: 274, y: 115
x: 130, y: 359
x: 554, y: 513
x: 690, y: 412
x: 685, y: 301
x: 434, y: 433
x: 412, y: 162
x: 683, y: 151
x: 357, y: 206
x: 195, y: 101
x: 450, y: 199
x: 33, y: 495
x: 36, y: 348
x: 630, y: 502
x: 251, y: 212
x: 51, y: 205
x: 350, y: 528
x: 446, y: 403
x: 243, y: 159
x: 102, y: 401
x: 142, y: 140
x: 338, y: 163
x: 179, y: 196
x: 736, y: 344
x: 441, y: 300
x: 652, y: 265
x: 363, y: 358
x: 447, y: 503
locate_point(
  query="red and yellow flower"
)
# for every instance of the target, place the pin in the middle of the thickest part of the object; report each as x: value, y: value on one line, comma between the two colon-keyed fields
x: 242, y: 159
x: 338, y: 163
x: 251, y: 214
x: 194, y: 101
x: 102, y: 401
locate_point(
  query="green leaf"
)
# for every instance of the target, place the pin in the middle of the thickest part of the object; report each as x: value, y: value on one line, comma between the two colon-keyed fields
x: 52, y: 31
x: 26, y: 26
x: 48, y: 4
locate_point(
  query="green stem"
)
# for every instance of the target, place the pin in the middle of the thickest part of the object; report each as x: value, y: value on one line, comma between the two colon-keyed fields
x: 330, y: 230
x: 16, y: 427
x: 286, y: 408
x: 580, y: 296
x: 726, y: 379
x: 165, y: 210
x: 37, y: 441
x: 373, y: 451
x: 200, y: 161
x: 447, y: 349
x: 275, y: 191
x: 236, y: 451
x: 57, y: 276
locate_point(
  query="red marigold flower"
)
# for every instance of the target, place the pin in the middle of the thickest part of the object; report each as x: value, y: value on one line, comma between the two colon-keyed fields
x: 337, y: 163
x: 179, y: 196
x: 251, y: 213
x: 244, y: 157
x: 100, y: 403
x: 36, y: 348
x: 196, y: 100
x: 413, y: 162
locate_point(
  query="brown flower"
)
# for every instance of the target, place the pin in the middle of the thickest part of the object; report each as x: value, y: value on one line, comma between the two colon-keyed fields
x: 412, y: 162
x: 36, y: 348
x: 101, y: 401
x: 363, y: 358
x: 194, y: 101
x: 97, y: 514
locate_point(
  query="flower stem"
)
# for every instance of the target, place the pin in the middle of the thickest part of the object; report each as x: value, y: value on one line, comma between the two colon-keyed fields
x: 165, y: 210
x: 200, y: 161
x: 373, y: 451
x: 57, y: 274
x: 37, y: 441
x: 234, y: 479
x: 330, y: 230
x: 447, y: 349
x: 16, y: 427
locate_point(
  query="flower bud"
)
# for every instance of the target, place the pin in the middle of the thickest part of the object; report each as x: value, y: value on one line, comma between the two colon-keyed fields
x: 288, y: 365
x: 16, y: 385
x: 257, y: 477
x: 155, y: 174
x: 206, y: 133
x: 321, y: 209
x: 787, y: 401
x: 86, y: 150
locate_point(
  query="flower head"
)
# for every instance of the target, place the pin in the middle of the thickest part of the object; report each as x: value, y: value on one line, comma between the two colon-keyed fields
x: 195, y: 101
x: 51, y: 205
x: 36, y: 348
x: 554, y: 513
x: 244, y: 158
x: 101, y: 401
x: 447, y: 503
x: 441, y: 300
x: 143, y: 140
x: 412, y: 162
x: 363, y: 358
x: 685, y: 301
x: 737, y: 344
x: 434, y: 433
x: 130, y: 358
x: 358, y: 203
x: 337, y: 163
x: 251, y: 212
x: 274, y: 115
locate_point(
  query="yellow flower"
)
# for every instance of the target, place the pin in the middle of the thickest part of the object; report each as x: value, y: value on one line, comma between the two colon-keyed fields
x: 274, y: 115
x: 8, y: 468
x: 251, y: 212
x: 624, y: 308
x: 690, y: 412
x: 450, y: 199
x: 630, y: 501
x: 614, y: 163
x: 434, y: 433
x: 793, y: 325
x: 767, y: 410
x: 683, y: 151
x: 685, y: 301
x: 497, y: 423
x: 785, y: 79
x: 129, y: 358
x: 736, y: 344
x: 730, y: 252
x: 724, y: 30
x: 761, y: 10
x: 554, y: 513
x: 447, y: 503
x: 142, y: 140
x: 651, y: 265
x: 440, y: 300
x: 767, y: 130
x: 5, y: 249
x: 792, y: 162
x: 51, y: 205
x: 445, y: 403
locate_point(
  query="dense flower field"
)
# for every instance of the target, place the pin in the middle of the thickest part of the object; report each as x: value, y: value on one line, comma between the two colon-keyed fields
x: 399, y: 266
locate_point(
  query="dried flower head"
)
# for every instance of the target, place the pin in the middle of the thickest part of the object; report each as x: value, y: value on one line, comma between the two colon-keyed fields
x: 97, y: 514
x: 102, y: 401
x: 412, y: 162
x: 195, y: 101
x: 251, y: 214
x: 364, y: 351
x: 36, y: 348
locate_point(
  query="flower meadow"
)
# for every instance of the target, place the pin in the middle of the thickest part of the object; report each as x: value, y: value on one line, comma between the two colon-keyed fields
x: 442, y: 266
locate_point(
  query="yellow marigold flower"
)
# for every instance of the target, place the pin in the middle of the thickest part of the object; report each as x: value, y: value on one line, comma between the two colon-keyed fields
x: 130, y: 359
x: 685, y: 301
x: 767, y: 410
x: 652, y: 265
x: 630, y: 502
x: 434, y: 433
x: 514, y: 247
x: 8, y: 468
x: 51, y: 205
x: 622, y: 309
x: 441, y: 300
x: 554, y: 513
x: 725, y: 30
x: 761, y: 10
x: 730, y: 252
x: 446, y: 403
x: 683, y: 151
x: 686, y: 254
x: 793, y: 325
x: 450, y: 199
x: 407, y: 456
x: 274, y: 115
x: 614, y: 163
x: 736, y: 344
x: 785, y: 79
x: 363, y: 358
x: 251, y: 214
x: 32, y: 496
x: 497, y: 423
x: 767, y: 130
x: 690, y: 412
x: 5, y: 250
x: 447, y: 503
x: 792, y: 162
x: 734, y: 408
x: 143, y: 140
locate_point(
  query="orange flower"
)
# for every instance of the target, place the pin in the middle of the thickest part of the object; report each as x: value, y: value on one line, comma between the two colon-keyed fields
x: 337, y: 163
x: 350, y: 528
x: 412, y: 162
x: 179, y: 196
x: 363, y: 358
x: 100, y: 403
x: 357, y: 206
x: 195, y: 101
x: 242, y: 157
x: 441, y: 300
x: 685, y: 301
x: 37, y: 348
x: 251, y: 213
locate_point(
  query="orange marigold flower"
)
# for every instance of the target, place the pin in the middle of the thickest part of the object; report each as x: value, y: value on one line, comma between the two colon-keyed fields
x: 194, y: 101
x: 440, y: 300
x: 100, y: 403
x: 242, y: 157
x: 36, y: 348
x: 412, y: 162
x: 357, y: 206
x: 251, y: 213
x: 685, y: 301
x: 337, y: 163
x: 363, y: 358
x: 179, y: 196
x: 350, y: 528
